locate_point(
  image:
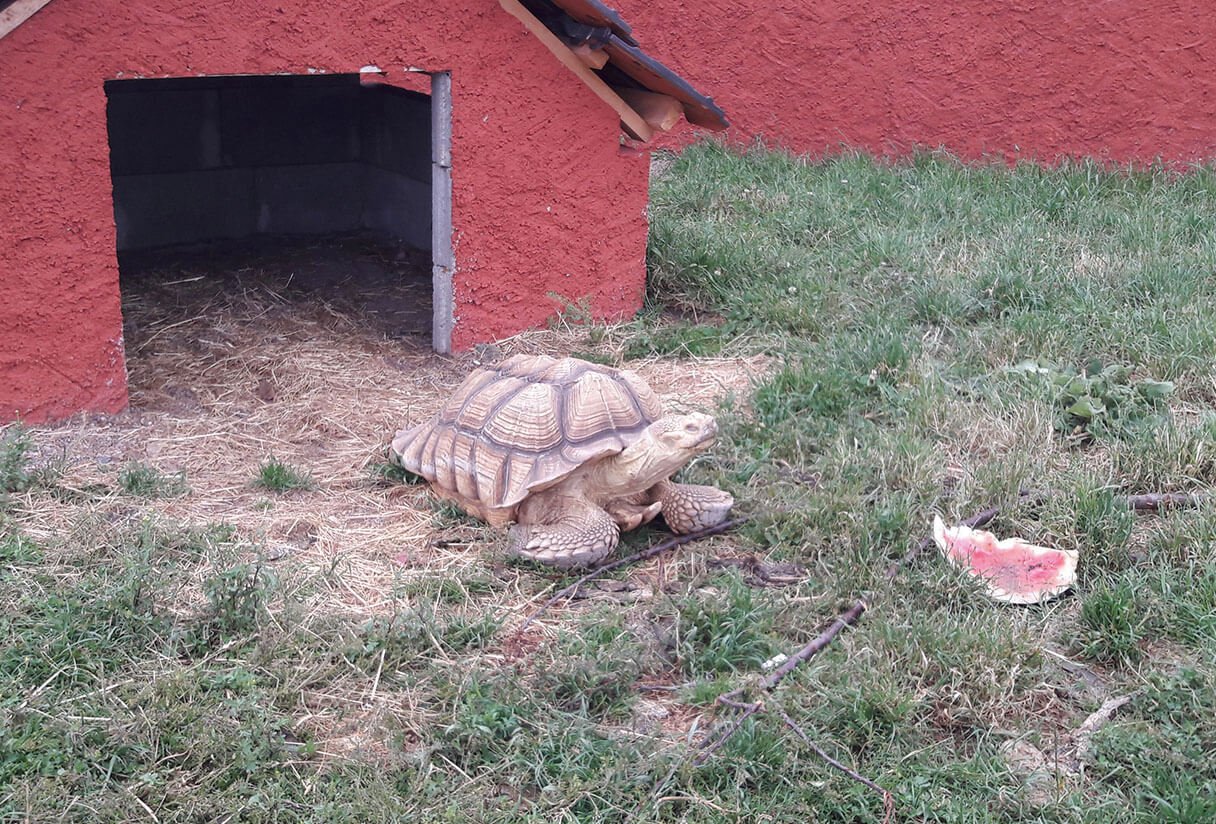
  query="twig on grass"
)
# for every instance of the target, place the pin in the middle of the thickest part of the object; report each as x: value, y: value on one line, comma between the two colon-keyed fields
x: 816, y: 645
x: 642, y: 555
x: 1159, y: 501
x: 1082, y: 739
x: 708, y: 748
x: 888, y: 800
x: 747, y: 709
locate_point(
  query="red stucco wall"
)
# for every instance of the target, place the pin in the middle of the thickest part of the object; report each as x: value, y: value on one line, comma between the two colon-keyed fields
x: 1121, y: 80
x: 543, y: 198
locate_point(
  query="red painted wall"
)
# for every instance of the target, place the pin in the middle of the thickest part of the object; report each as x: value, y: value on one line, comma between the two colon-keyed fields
x: 543, y: 198
x: 1120, y: 80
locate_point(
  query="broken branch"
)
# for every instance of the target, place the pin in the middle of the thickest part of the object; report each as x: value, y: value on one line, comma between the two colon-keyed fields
x: 1158, y: 501
x: 817, y: 644
x: 709, y: 748
x: 1083, y: 738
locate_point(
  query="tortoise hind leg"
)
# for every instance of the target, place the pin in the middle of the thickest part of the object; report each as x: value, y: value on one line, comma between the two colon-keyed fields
x: 691, y: 507
x: 562, y: 532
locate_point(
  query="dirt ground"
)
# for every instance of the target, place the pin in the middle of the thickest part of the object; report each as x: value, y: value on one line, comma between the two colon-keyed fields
x: 314, y: 353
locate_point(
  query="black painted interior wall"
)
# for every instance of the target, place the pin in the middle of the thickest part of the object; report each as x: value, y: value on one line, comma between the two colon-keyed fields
x: 197, y: 159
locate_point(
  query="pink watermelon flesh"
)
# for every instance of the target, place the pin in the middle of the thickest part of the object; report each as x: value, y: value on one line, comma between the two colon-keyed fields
x: 1012, y: 569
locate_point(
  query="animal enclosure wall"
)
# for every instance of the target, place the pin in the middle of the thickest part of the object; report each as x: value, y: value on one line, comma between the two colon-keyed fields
x: 1039, y: 79
x: 198, y: 159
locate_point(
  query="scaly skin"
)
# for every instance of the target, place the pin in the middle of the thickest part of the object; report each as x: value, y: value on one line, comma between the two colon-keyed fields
x: 561, y: 531
x: 692, y: 507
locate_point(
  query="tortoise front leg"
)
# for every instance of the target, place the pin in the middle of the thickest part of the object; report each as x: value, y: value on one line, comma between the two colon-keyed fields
x: 633, y: 511
x: 691, y: 507
x: 562, y: 531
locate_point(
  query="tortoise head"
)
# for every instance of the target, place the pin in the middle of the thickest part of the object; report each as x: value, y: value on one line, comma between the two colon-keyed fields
x: 665, y: 446
x: 684, y: 436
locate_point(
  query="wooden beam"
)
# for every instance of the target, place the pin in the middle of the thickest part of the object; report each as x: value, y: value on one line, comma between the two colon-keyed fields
x: 592, y: 58
x: 653, y: 75
x: 16, y: 14
x: 633, y: 123
x: 661, y: 111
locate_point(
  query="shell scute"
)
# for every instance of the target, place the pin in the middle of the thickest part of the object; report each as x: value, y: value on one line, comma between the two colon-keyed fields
x: 525, y: 420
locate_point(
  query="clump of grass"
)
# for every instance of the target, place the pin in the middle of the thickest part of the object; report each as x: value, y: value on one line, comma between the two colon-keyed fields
x: 236, y: 603
x: 1158, y: 755
x: 725, y: 631
x: 681, y: 340
x: 484, y: 724
x: 1113, y: 623
x: 1171, y: 456
x: 15, y: 446
x: 448, y: 515
x: 15, y: 548
x: 276, y: 476
x: 1185, y: 603
x: 594, y: 671
x: 399, y: 641
x: 146, y: 481
x: 392, y: 473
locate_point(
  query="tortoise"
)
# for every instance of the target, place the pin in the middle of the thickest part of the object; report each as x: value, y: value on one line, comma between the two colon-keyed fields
x: 573, y: 452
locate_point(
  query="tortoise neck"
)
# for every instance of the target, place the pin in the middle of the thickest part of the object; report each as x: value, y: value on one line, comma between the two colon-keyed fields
x: 638, y: 467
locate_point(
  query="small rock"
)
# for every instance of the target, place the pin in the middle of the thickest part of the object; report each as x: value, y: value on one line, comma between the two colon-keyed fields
x: 486, y: 353
x: 1029, y: 762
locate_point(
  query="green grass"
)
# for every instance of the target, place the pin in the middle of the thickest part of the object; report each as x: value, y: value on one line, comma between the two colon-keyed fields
x: 146, y: 481
x: 1038, y: 329
x: 276, y: 476
x: 941, y: 337
x: 15, y: 445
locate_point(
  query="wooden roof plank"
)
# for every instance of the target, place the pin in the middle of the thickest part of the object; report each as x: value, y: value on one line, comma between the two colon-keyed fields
x: 661, y: 111
x: 633, y: 122
x: 653, y: 75
x: 17, y: 13
x: 594, y: 58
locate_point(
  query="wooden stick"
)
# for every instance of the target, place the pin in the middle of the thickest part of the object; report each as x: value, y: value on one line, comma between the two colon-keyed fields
x: 661, y: 111
x: 888, y: 800
x: 1158, y: 501
x: 708, y: 749
x: 846, y: 619
x: 642, y: 555
x: 592, y: 58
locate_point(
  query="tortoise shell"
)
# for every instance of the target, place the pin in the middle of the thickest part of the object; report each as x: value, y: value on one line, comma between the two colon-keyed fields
x: 525, y: 425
